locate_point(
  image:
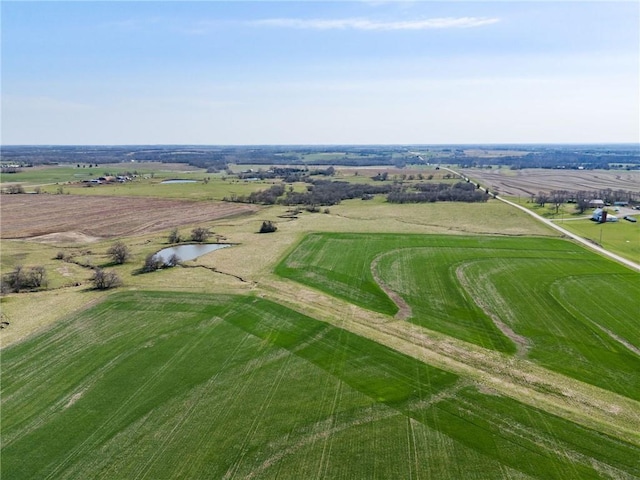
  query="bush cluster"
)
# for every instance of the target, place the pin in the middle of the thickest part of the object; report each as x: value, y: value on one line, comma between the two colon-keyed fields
x: 24, y: 279
x: 105, y: 279
x: 268, y: 227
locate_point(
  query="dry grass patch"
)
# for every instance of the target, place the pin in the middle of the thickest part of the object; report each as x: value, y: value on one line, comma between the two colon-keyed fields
x: 33, y: 312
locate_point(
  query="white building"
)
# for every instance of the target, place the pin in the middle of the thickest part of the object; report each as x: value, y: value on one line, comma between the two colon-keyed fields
x: 598, y: 213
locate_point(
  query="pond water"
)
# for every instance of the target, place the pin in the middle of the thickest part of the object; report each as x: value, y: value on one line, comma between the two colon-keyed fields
x: 179, y: 180
x: 189, y: 252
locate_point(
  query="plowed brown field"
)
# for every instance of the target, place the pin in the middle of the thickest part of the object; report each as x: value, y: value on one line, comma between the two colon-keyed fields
x: 26, y: 216
x: 533, y: 180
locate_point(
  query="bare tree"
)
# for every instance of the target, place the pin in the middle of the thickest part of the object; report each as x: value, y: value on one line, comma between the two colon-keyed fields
x: 558, y: 197
x: 174, y: 236
x: 173, y: 260
x: 14, y: 280
x: 582, y: 201
x: 541, y: 199
x: 152, y: 263
x: 103, y: 279
x: 119, y: 253
x: 37, y: 277
x: 200, y: 234
x: 21, y: 278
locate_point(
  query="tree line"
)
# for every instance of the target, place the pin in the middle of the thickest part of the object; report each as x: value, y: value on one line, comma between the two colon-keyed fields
x: 439, y: 192
x: 581, y: 198
x: 585, y: 159
x: 327, y: 193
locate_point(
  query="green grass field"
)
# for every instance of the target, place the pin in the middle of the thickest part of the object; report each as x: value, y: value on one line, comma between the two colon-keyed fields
x: 51, y: 179
x: 621, y: 237
x: 65, y: 173
x: 444, y: 341
x: 216, y: 189
x: 166, y: 385
x: 43, y: 175
x: 459, y: 285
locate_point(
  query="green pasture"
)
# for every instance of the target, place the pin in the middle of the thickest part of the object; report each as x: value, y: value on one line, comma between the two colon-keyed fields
x: 565, y: 211
x: 52, y: 174
x: 458, y: 285
x: 621, y: 237
x: 215, y: 189
x: 168, y: 385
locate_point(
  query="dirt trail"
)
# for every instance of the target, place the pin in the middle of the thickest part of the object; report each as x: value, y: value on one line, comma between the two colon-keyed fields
x: 513, y: 377
x: 404, y: 310
x: 522, y: 343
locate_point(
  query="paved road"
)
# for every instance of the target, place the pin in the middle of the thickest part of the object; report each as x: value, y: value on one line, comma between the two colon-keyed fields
x: 578, y: 238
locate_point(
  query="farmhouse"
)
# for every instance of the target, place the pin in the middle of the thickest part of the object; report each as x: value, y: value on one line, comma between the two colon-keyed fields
x: 596, y: 203
x: 600, y: 215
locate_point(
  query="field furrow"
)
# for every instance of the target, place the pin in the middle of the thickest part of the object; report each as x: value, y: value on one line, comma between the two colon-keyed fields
x: 518, y: 379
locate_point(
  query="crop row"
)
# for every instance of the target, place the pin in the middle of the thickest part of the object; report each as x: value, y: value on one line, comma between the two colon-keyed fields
x: 547, y: 299
x: 167, y: 385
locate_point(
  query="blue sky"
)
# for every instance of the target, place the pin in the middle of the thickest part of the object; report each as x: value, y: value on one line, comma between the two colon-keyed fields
x: 214, y: 72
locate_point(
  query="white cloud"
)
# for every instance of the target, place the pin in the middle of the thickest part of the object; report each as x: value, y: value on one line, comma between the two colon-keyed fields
x: 370, y: 25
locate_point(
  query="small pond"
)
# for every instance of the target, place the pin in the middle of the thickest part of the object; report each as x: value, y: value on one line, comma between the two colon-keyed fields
x: 189, y: 252
x: 178, y: 180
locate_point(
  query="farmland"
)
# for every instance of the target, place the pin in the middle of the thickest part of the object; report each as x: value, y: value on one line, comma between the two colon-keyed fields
x: 530, y: 181
x: 495, y: 274
x: 98, y: 216
x: 368, y: 340
x: 66, y: 173
x: 163, y: 385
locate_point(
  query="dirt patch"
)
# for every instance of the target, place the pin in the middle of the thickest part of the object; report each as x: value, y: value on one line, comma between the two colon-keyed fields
x: 74, y: 218
x: 65, y: 237
x: 73, y: 399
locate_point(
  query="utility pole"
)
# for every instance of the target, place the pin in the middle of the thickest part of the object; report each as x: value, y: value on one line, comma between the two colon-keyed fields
x: 600, y: 234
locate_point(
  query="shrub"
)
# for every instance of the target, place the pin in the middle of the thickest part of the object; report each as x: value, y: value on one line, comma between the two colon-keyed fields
x: 173, y: 260
x: 15, y: 189
x: 119, y: 253
x: 103, y: 279
x: 37, y: 277
x: 174, y: 236
x: 152, y: 263
x: 21, y: 278
x: 200, y: 234
x: 268, y: 226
